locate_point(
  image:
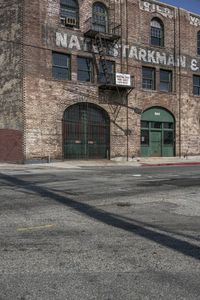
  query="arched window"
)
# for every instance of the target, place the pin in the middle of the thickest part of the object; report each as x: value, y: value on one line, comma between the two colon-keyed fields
x: 157, y: 32
x: 69, y: 12
x: 100, y: 17
x: 198, y: 42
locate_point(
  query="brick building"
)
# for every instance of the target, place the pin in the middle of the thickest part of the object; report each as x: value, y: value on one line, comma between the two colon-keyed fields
x: 98, y: 79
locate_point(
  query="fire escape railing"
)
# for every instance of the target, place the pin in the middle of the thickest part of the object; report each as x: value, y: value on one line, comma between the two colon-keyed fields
x: 105, y: 36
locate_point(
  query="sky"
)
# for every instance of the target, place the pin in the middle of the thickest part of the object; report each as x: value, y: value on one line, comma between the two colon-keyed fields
x: 190, y: 5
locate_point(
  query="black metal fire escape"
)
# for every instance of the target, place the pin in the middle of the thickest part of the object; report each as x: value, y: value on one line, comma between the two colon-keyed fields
x: 105, y: 43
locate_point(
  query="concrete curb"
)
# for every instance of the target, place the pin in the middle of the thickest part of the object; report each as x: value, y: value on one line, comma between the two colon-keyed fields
x: 140, y: 162
x: 170, y: 164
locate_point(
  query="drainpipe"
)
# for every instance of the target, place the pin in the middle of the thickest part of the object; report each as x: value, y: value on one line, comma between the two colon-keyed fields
x: 127, y: 69
x: 180, y: 83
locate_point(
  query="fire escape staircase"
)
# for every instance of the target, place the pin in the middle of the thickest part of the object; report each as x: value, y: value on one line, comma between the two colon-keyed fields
x: 104, y: 42
x: 101, y: 44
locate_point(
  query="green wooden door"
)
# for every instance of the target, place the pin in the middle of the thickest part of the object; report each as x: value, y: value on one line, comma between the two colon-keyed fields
x: 157, y: 133
x: 156, y: 143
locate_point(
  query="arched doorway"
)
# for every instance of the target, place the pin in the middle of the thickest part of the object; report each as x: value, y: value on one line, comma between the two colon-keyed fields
x: 86, y: 132
x: 157, y: 133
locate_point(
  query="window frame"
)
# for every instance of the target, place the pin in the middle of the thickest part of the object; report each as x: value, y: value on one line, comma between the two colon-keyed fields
x: 69, y: 9
x: 157, y: 33
x: 91, y: 71
x: 169, y: 82
x: 68, y: 67
x: 98, y: 23
x: 196, y: 86
x: 152, y: 79
x: 198, y: 42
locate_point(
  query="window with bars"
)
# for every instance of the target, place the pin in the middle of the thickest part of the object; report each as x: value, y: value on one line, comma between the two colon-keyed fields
x: 198, y: 42
x: 165, y: 81
x: 196, y: 85
x: 157, y: 32
x: 69, y: 12
x: 148, y: 78
x: 61, y: 66
x: 85, y: 69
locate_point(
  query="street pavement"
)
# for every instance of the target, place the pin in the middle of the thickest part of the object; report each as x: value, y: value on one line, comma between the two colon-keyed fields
x: 100, y: 230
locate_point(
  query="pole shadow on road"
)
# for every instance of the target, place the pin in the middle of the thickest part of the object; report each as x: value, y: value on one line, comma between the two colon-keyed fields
x: 110, y: 219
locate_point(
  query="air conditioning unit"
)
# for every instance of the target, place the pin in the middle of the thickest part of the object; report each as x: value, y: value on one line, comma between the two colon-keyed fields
x: 62, y: 20
x: 70, y: 21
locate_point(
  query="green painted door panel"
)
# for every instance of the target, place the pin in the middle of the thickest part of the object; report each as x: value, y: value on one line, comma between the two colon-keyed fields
x: 145, y: 151
x: 160, y: 124
x: 86, y: 130
x: 168, y: 151
x: 157, y: 114
x: 156, y: 143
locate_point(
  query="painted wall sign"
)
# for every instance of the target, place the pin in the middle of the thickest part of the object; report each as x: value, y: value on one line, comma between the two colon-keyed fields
x: 194, y: 21
x: 123, y: 79
x: 151, y: 7
x: 135, y: 52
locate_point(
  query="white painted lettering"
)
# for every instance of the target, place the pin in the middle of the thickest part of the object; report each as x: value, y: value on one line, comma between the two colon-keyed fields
x: 151, y: 57
x: 181, y: 61
x: 161, y: 58
x: 194, y: 66
x: 115, y: 51
x: 151, y: 7
x: 142, y: 55
x: 194, y: 21
x: 170, y: 60
x: 74, y: 43
x: 133, y: 53
x: 125, y: 50
x: 61, y: 39
x: 86, y: 44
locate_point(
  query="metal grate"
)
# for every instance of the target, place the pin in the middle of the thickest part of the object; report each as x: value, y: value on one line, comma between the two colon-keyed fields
x: 86, y: 132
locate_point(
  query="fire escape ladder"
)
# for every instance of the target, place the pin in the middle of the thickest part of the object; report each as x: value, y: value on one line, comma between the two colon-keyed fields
x: 102, y: 49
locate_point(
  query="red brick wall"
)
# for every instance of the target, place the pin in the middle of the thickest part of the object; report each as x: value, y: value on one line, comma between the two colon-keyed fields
x: 11, y: 145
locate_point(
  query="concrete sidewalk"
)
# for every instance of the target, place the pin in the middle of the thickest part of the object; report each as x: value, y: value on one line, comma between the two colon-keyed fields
x: 135, y: 162
x: 169, y: 161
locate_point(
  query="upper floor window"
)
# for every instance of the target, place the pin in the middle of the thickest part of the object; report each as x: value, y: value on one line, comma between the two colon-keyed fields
x: 148, y: 78
x: 107, y: 72
x: 165, y: 81
x: 157, y: 32
x: 69, y: 12
x: 198, y: 42
x: 61, y: 66
x: 196, y: 85
x: 99, y: 17
x: 84, y: 72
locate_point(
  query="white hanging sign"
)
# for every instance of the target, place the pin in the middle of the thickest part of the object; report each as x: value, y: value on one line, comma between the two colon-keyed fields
x: 123, y: 79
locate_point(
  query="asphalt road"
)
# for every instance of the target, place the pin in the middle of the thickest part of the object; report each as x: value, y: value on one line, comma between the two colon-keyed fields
x: 104, y: 233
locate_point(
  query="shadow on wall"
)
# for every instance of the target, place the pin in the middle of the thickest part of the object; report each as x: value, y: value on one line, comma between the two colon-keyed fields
x: 11, y: 149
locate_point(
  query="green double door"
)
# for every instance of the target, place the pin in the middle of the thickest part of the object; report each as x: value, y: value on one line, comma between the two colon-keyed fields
x: 86, y: 132
x: 157, y: 133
